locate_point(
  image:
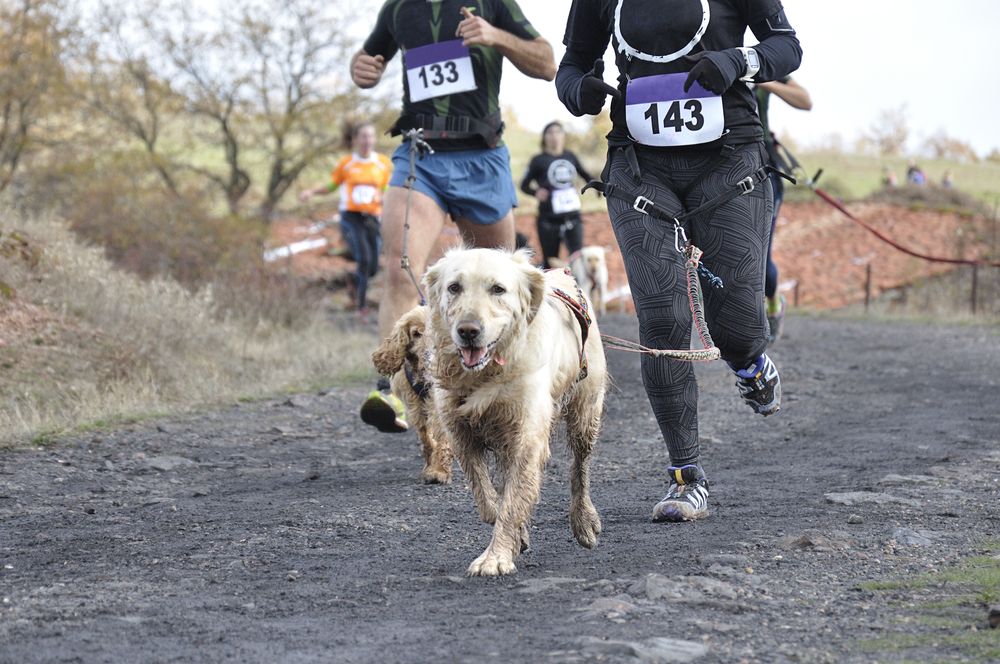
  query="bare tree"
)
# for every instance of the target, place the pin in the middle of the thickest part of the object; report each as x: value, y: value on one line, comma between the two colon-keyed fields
x: 889, y: 133
x: 262, y: 84
x: 118, y: 80
x: 942, y: 146
x: 298, y: 86
x: 30, y: 45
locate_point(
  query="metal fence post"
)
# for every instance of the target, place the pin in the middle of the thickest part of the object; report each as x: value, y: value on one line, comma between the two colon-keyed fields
x: 868, y: 286
x: 975, y: 288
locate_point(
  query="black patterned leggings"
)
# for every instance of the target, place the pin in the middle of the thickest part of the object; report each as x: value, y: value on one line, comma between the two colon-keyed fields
x: 734, y: 238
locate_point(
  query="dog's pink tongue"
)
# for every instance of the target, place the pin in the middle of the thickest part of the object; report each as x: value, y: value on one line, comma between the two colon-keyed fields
x: 472, y: 356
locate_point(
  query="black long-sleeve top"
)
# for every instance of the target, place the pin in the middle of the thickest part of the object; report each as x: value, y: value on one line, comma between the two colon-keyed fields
x: 658, y: 29
x: 547, y: 171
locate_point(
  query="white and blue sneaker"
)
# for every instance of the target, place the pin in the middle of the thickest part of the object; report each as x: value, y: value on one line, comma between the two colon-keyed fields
x: 687, y: 496
x: 760, y: 386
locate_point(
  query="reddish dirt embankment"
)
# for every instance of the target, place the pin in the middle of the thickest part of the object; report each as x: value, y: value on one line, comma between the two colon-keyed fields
x: 816, y: 248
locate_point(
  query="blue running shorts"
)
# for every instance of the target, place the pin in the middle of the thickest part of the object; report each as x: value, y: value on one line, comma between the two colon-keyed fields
x: 467, y: 184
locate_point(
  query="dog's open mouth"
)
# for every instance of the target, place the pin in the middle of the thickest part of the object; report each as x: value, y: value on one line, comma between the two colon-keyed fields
x: 476, y: 357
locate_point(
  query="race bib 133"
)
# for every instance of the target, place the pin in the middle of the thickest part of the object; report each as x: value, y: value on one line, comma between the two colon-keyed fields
x: 439, y: 69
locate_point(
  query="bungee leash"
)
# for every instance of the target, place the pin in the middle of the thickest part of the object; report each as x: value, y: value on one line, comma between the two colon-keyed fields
x: 419, y: 148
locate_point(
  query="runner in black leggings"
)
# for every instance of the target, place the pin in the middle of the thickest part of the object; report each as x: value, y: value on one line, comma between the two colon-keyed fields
x: 685, y: 133
x: 552, y: 178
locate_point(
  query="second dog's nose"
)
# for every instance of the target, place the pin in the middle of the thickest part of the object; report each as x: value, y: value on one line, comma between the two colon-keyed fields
x: 469, y: 332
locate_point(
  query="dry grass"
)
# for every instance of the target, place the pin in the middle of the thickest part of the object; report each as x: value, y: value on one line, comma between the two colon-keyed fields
x: 82, y: 342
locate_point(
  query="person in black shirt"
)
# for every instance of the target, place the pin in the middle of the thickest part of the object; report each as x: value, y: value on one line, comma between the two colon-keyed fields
x: 686, y: 134
x: 453, y: 52
x: 798, y: 97
x: 551, y: 178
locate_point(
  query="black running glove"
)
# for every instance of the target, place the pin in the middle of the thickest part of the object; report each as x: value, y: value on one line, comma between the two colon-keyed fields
x: 594, y: 91
x: 716, y: 71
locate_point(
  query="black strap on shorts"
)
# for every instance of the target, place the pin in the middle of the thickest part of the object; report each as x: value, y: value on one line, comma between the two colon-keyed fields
x: 452, y: 127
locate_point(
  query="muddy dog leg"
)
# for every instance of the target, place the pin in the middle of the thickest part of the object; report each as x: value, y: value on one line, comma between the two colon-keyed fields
x: 471, y: 455
x: 523, y: 461
x: 583, y: 423
x: 437, y: 456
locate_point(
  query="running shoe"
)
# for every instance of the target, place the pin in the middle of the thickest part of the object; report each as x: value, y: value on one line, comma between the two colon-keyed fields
x: 385, y: 412
x: 687, y: 496
x: 775, y: 317
x: 760, y: 386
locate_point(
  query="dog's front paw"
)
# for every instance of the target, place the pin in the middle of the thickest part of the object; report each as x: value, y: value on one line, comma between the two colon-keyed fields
x: 586, y: 524
x: 431, y: 475
x: 491, y: 564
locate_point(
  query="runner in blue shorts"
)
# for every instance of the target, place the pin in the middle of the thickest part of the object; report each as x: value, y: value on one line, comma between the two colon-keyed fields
x: 453, y: 53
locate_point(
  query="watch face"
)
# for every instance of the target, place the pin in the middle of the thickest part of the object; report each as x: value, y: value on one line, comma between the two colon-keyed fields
x: 752, y: 59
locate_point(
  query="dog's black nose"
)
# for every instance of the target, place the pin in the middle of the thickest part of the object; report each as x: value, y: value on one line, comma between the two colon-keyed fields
x: 469, y: 332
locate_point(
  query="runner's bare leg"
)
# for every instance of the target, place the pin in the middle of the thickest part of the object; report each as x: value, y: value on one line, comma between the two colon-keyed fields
x: 493, y: 236
x: 426, y: 222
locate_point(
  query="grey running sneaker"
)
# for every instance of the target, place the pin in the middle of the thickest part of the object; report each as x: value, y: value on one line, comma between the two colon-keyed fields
x: 687, y: 496
x: 760, y: 386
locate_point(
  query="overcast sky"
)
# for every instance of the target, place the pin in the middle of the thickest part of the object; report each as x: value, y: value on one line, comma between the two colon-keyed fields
x: 939, y: 59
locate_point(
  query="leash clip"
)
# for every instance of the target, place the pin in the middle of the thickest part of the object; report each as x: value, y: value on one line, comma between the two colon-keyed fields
x: 642, y: 204
x: 746, y: 185
x: 681, y: 242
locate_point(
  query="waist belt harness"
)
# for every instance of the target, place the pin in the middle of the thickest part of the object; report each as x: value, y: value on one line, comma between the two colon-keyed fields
x: 452, y: 127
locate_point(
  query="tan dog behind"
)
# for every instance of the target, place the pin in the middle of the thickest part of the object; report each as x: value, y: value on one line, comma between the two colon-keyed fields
x: 590, y: 269
x: 407, y: 345
x: 506, y: 365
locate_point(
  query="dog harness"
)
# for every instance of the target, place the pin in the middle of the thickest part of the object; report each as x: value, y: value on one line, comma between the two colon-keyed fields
x: 578, y: 307
x: 419, y: 385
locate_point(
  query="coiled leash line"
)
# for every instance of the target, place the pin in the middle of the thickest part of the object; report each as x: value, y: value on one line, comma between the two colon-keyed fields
x: 418, y: 149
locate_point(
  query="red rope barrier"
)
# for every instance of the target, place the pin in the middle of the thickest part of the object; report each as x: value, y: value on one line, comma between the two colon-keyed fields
x: 874, y: 231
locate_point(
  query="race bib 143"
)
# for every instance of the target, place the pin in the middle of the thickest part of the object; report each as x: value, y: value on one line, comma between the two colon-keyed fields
x: 439, y: 69
x: 659, y: 113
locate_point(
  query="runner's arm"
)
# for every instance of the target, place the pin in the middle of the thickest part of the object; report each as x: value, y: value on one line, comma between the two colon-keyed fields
x: 779, y: 50
x: 530, y: 177
x: 533, y: 57
x: 368, y: 64
x: 367, y: 70
x: 581, y: 169
x: 791, y: 93
x: 586, y: 40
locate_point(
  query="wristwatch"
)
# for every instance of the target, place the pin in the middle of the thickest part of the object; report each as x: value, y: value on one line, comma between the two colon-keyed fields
x: 752, y: 63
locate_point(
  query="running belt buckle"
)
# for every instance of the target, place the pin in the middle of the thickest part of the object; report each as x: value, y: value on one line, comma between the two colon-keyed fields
x: 746, y: 185
x: 642, y: 204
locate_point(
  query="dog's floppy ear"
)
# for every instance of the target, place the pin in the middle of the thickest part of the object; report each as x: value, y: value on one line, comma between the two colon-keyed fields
x: 388, y: 358
x: 534, y: 292
x: 432, y: 282
x: 523, y: 255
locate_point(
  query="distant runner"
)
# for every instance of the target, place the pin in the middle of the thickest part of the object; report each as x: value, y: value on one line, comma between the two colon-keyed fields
x: 363, y: 176
x: 553, y: 178
x: 798, y: 97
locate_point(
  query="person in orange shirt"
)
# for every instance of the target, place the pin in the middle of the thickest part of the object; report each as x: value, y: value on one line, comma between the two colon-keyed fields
x: 362, y: 177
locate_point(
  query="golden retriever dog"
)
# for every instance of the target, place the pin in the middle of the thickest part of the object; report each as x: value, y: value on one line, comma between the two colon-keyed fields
x: 590, y: 269
x: 405, y: 350
x: 507, y: 358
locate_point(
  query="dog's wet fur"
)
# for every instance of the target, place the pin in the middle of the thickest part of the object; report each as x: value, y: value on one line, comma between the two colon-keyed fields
x: 506, y: 367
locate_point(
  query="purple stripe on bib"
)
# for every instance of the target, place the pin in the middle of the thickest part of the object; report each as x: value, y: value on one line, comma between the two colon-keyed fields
x: 665, y: 87
x: 440, y: 52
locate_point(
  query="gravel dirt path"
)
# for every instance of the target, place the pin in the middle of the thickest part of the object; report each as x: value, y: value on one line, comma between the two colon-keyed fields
x: 285, y: 531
